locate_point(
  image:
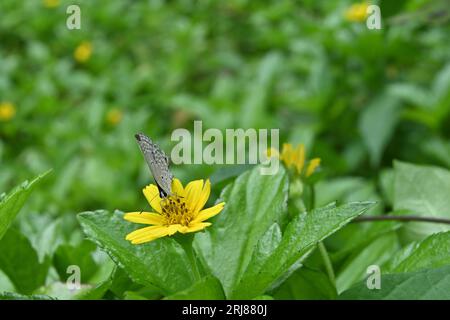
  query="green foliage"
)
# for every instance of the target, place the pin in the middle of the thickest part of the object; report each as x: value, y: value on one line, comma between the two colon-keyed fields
x: 20, y: 262
x: 431, y: 252
x: 208, y: 288
x: 429, y: 284
x: 167, y: 267
x: 253, y: 203
x: 422, y: 190
x: 11, y: 204
x: 373, y: 105
x: 299, y: 238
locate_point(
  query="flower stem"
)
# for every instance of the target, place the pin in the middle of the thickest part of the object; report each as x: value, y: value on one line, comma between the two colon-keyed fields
x: 322, y: 249
x: 327, y: 262
x: 405, y: 218
x: 185, y: 240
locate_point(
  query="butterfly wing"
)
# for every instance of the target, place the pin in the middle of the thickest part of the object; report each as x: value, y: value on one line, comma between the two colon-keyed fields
x: 158, y: 163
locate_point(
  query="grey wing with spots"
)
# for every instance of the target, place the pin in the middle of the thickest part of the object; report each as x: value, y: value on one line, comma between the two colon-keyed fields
x: 158, y: 162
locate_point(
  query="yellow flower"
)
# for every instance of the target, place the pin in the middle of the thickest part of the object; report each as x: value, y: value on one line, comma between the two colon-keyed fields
x: 83, y: 52
x: 7, y: 111
x: 114, y: 116
x: 295, y: 158
x: 51, y: 3
x: 357, y: 12
x: 180, y: 212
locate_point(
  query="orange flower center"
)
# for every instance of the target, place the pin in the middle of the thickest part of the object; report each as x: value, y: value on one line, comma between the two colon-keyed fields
x: 175, y: 210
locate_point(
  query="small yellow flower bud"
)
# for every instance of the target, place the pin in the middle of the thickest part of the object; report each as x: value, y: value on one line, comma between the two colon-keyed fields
x: 357, y: 12
x: 114, y: 116
x: 51, y: 3
x: 7, y: 111
x: 83, y: 52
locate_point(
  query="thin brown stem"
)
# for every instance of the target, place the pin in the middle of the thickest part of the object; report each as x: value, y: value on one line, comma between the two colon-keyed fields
x: 405, y: 218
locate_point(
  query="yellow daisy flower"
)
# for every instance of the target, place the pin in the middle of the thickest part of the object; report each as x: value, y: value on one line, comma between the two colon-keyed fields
x: 51, y: 3
x: 83, y: 52
x: 7, y: 111
x: 357, y: 12
x: 295, y: 158
x: 181, y: 212
x: 114, y: 116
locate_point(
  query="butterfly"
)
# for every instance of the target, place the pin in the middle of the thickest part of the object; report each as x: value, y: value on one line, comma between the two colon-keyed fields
x: 158, y: 162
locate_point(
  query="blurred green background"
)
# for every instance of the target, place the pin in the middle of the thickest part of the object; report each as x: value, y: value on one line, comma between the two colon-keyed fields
x: 72, y: 100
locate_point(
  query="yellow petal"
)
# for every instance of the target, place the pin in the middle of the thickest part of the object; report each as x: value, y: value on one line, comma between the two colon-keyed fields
x: 300, y: 163
x: 145, y: 218
x: 287, y: 154
x: 312, y: 166
x: 177, y: 188
x: 193, y: 190
x: 208, y: 213
x: 272, y: 152
x: 196, y: 227
x: 151, y: 233
x: 151, y: 192
x: 203, y: 197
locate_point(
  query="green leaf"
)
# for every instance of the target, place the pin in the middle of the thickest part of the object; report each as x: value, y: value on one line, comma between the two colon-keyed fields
x: 253, y: 203
x: 306, y: 284
x: 377, y: 124
x: 376, y: 253
x: 255, y: 102
x: 300, y: 236
x: 412, y: 93
x: 121, y: 283
x: 130, y: 295
x: 61, y: 291
x: 80, y: 255
x: 14, y: 201
x: 95, y: 292
x: 263, y: 297
x: 17, y: 296
x: 424, y: 191
x: 432, y: 252
x: 161, y: 263
x: 430, y: 284
x: 208, y: 288
x: 20, y: 262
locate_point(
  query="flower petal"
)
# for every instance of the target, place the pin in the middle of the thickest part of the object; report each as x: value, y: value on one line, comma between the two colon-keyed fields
x: 145, y: 218
x: 312, y: 166
x: 300, y: 159
x: 208, y: 213
x: 287, y: 154
x: 151, y: 192
x: 272, y: 152
x: 177, y: 188
x: 203, y: 197
x: 196, y: 227
x: 193, y: 190
x: 151, y: 233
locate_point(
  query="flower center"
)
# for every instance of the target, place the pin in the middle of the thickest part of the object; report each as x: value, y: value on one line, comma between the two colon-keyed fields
x: 175, y: 210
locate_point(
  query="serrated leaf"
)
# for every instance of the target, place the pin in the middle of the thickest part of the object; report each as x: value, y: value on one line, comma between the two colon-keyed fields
x: 17, y: 296
x: 253, y: 203
x: 161, y: 263
x: 301, y: 235
x: 429, y: 284
x: 11, y: 204
x: 432, y: 252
